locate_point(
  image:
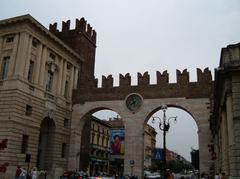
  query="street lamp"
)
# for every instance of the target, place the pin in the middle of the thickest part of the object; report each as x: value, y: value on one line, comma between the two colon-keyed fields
x: 164, y: 125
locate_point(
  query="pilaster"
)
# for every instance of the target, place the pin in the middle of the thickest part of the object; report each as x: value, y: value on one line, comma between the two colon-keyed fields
x: 71, y: 82
x: 14, y: 53
x: 21, y: 54
x: 29, y: 49
x: 43, y: 65
x: 38, y: 64
x: 60, y: 75
x: 75, y: 78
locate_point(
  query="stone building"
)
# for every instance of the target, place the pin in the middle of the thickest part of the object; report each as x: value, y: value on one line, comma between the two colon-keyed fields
x: 38, y: 70
x: 149, y: 145
x: 95, y: 147
x: 225, y: 122
x: 48, y: 93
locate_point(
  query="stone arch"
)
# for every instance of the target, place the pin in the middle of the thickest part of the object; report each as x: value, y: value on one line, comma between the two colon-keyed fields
x: 46, y: 143
x: 198, y: 107
x: 80, y: 115
x: 169, y: 107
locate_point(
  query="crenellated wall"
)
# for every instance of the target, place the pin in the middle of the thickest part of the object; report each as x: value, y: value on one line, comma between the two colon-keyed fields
x: 80, y: 26
x: 82, y: 39
x: 202, y: 88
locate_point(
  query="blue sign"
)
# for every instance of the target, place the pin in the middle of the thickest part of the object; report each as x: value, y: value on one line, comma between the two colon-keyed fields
x: 158, y: 154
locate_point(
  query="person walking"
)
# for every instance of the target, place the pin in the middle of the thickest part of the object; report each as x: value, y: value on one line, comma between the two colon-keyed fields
x: 34, y: 173
x: 23, y: 174
x: 18, y: 172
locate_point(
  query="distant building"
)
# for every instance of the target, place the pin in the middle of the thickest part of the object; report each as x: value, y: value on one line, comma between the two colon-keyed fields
x: 149, y: 145
x: 175, y: 162
x: 95, y: 147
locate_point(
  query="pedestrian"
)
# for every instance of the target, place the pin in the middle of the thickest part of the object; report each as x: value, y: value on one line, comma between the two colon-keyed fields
x: 45, y: 174
x: 23, y: 174
x: 216, y: 176
x: 34, y: 173
x: 18, y: 172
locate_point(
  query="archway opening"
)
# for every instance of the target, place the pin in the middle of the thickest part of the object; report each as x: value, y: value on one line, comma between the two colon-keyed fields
x: 102, y: 143
x: 46, y: 144
x: 182, y: 141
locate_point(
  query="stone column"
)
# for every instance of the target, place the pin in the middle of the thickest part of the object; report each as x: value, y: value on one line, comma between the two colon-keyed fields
x: 38, y: 64
x: 13, y: 56
x: 43, y: 66
x: 21, y: 54
x: 204, y: 140
x: 75, y: 78
x: 75, y: 139
x: 134, y: 145
x: 60, y: 75
x: 28, y: 57
x: 201, y: 116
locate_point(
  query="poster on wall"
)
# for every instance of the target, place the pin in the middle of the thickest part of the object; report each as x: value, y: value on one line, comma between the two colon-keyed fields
x: 117, y: 141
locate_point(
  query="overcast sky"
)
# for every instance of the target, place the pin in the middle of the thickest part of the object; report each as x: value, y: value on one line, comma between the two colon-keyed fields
x: 146, y: 35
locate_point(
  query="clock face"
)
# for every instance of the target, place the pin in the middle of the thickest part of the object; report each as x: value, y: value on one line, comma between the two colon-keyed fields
x: 134, y: 102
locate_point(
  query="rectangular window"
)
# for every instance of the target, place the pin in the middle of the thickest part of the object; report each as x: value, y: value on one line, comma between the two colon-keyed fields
x: 66, y: 122
x: 66, y: 89
x: 9, y: 39
x: 30, y: 71
x: 93, y: 138
x: 49, y: 81
x: 64, y: 150
x: 28, y: 110
x: 24, y: 144
x: 5, y: 65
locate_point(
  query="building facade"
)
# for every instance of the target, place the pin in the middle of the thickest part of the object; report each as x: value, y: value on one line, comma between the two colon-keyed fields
x: 225, y: 122
x: 38, y: 72
x: 95, y: 147
x: 149, y: 146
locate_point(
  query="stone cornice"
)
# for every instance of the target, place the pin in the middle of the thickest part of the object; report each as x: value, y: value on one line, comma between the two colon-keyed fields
x: 29, y: 19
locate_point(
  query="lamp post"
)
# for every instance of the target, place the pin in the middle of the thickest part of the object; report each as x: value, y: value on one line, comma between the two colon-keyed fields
x: 164, y: 125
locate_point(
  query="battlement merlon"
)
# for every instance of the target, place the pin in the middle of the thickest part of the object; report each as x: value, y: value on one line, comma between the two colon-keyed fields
x: 107, y: 82
x: 143, y: 80
x: 182, y: 78
x: 204, y: 76
x: 124, y: 81
x: 80, y: 26
x: 183, y: 88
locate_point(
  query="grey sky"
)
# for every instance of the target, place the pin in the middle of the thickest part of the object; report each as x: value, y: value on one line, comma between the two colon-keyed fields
x: 137, y: 36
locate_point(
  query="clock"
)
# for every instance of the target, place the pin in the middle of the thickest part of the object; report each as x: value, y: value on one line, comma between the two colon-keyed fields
x: 134, y: 102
